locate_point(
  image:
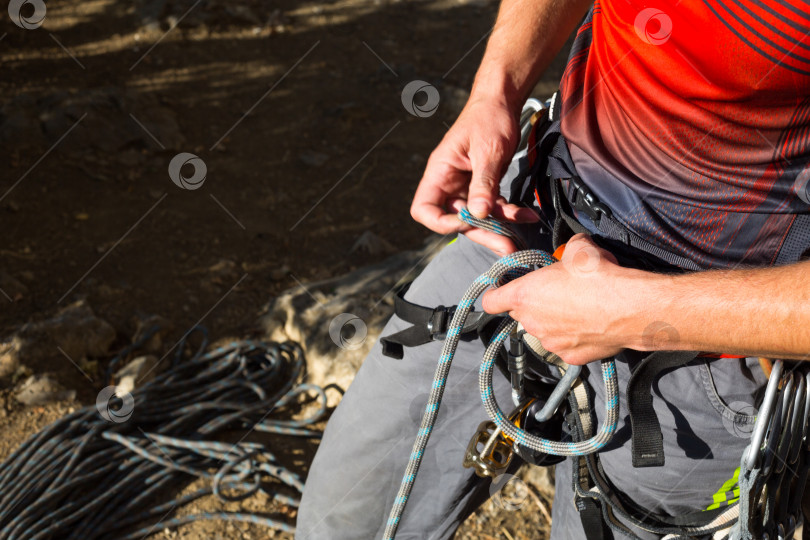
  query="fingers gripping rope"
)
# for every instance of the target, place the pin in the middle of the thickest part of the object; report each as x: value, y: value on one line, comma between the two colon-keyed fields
x: 492, y: 225
x: 519, y: 263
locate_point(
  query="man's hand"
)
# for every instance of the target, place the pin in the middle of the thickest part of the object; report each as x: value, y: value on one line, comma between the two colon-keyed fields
x: 467, y: 166
x: 466, y: 169
x: 571, y: 306
x: 586, y: 307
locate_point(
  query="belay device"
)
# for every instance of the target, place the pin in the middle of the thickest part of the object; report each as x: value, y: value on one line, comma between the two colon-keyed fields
x: 539, y: 411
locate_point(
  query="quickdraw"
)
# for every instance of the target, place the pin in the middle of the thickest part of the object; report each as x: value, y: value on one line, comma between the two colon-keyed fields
x: 773, y: 470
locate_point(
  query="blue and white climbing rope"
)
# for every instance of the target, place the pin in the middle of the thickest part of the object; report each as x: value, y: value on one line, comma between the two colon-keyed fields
x: 516, y: 264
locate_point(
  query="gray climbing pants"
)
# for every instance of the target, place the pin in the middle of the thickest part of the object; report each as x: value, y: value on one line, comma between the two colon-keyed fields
x: 357, y: 470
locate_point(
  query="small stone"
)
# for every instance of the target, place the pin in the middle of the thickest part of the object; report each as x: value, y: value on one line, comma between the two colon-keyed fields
x: 76, y: 330
x: 89, y: 366
x: 41, y: 389
x: 20, y: 373
x: 159, y: 328
x: 224, y: 272
x: 10, y: 357
x: 137, y: 372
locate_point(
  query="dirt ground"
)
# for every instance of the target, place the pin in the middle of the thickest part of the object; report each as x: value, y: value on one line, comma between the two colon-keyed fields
x: 295, y: 109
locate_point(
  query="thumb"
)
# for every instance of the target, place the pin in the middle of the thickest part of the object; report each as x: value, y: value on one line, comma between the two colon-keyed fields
x: 487, y: 165
x: 500, y: 300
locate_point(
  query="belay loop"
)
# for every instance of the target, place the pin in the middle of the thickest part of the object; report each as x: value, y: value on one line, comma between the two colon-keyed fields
x: 518, y: 263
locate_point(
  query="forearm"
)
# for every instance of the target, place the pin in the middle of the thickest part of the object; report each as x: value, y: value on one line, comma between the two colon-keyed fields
x: 526, y: 37
x: 752, y: 312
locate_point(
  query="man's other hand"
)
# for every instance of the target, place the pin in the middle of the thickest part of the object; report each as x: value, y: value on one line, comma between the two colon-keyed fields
x: 466, y: 169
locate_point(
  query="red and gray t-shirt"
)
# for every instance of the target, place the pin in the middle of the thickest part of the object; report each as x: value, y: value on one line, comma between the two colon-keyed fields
x: 690, y: 119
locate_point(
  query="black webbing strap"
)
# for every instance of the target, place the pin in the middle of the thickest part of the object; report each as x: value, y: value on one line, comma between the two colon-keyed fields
x: 607, y: 225
x: 590, y: 513
x: 565, y: 225
x: 648, y: 441
x: 615, y: 230
x: 560, y: 167
x: 427, y: 324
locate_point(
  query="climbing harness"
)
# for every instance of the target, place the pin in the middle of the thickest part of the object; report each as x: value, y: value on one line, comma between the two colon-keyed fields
x: 773, y: 472
x: 86, y: 478
x: 507, y: 268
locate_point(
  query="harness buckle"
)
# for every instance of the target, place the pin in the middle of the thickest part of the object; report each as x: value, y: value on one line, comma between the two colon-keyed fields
x: 585, y: 201
x: 437, y: 324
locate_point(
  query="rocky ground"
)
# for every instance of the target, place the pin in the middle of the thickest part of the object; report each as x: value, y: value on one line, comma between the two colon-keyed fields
x: 294, y: 110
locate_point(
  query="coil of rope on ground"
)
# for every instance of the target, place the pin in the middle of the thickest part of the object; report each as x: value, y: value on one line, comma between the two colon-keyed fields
x: 84, y: 477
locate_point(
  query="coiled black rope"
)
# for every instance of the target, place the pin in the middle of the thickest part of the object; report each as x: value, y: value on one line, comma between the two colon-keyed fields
x: 84, y: 477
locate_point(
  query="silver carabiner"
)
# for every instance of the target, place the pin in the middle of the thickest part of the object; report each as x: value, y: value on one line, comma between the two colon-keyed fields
x: 781, y: 433
x: 798, y: 420
x: 764, y: 416
x: 774, y: 443
x: 559, y: 394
